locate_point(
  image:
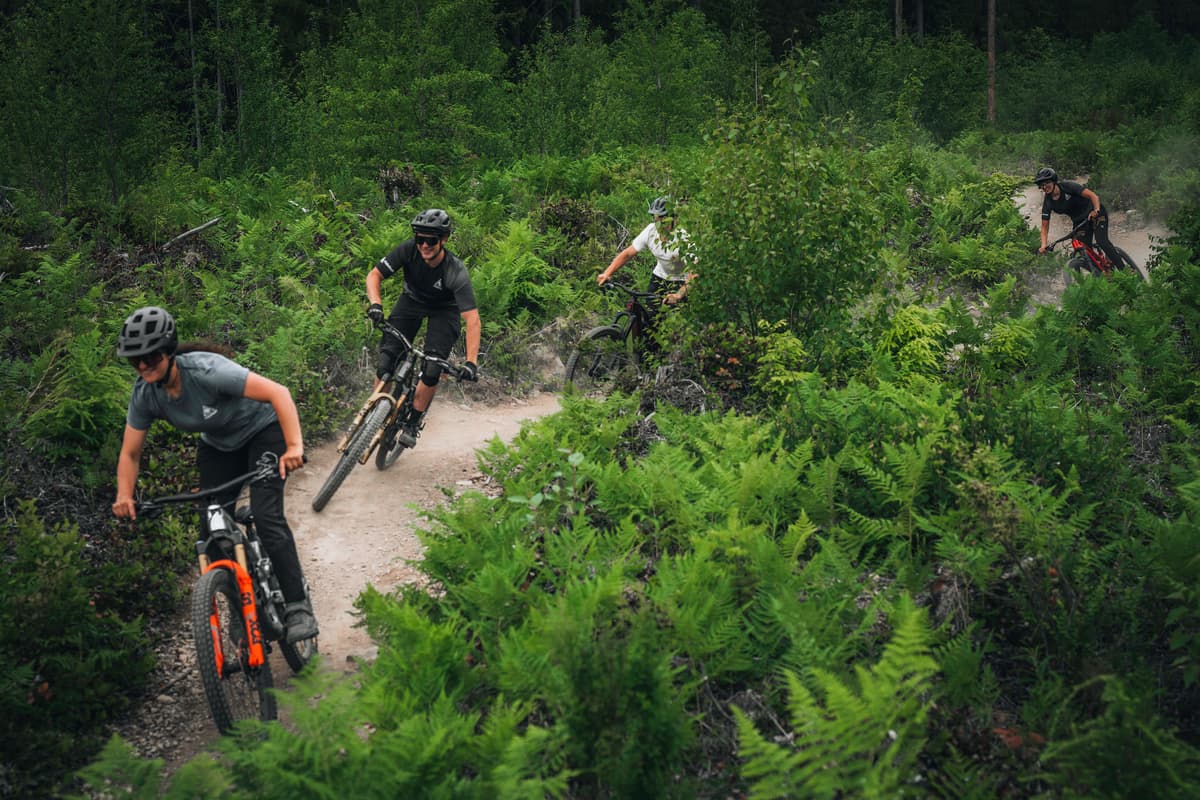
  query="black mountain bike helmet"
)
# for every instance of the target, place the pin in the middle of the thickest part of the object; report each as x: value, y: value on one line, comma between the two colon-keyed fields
x: 1045, y: 175
x: 432, y: 221
x: 660, y: 207
x: 147, y: 330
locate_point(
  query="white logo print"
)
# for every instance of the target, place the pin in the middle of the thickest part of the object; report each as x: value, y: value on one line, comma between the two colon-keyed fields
x: 438, y: 285
x: 209, y: 412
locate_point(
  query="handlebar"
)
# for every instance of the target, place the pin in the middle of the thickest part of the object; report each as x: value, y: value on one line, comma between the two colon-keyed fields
x: 266, y: 466
x: 387, y: 327
x: 613, y: 283
x: 1070, y: 235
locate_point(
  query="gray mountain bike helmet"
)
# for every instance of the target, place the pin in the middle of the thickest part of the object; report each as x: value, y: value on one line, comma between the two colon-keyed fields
x: 660, y: 207
x: 432, y: 221
x: 147, y: 330
x: 1045, y: 175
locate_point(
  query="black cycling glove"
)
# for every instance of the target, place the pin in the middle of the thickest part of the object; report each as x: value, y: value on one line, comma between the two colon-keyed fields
x: 468, y: 372
x: 375, y: 313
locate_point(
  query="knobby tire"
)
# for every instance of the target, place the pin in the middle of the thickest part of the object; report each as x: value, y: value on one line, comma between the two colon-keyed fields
x: 390, y: 448
x: 599, y: 360
x: 354, y: 450
x: 1133, y: 265
x: 234, y: 690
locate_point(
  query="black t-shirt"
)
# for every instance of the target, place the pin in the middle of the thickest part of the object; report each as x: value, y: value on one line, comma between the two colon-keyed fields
x: 446, y: 286
x: 1070, y: 202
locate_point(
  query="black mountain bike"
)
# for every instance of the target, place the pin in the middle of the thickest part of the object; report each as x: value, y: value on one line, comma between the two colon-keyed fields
x: 237, y: 605
x: 610, y: 353
x: 379, y: 422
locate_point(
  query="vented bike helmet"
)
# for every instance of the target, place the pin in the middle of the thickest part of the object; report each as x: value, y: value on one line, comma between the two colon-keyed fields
x: 660, y: 207
x: 147, y: 330
x: 433, y: 222
x: 1045, y: 175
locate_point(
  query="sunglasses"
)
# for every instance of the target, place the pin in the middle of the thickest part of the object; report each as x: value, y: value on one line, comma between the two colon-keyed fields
x: 151, y: 360
x: 428, y: 241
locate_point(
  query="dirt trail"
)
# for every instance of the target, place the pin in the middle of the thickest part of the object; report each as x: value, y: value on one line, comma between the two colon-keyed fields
x: 365, y: 535
x: 366, y: 532
x: 1127, y: 230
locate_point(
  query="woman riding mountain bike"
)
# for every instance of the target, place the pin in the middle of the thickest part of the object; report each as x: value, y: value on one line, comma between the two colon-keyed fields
x: 239, y: 415
x: 669, y: 246
x: 1088, y: 215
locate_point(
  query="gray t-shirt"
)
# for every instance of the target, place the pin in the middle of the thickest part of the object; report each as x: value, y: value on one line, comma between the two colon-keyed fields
x: 212, y: 402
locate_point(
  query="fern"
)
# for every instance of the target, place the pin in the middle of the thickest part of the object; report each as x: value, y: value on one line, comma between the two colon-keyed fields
x: 864, y: 739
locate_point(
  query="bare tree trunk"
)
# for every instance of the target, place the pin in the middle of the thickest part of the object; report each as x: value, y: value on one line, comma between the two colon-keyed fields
x: 195, y: 77
x: 220, y: 128
x: 576, y: 11
x: 899, y: 19
x: 920, y: 23
x: 991, y: 99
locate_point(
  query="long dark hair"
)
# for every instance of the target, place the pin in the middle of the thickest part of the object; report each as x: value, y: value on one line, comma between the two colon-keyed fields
x: 205, y: 346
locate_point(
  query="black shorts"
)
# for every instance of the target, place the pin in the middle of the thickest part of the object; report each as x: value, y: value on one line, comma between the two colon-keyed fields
x: 441, y: 333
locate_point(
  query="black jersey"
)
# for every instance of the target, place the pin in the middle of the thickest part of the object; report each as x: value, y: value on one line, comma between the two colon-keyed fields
x: 446, y: 286
x: 1070, y: 202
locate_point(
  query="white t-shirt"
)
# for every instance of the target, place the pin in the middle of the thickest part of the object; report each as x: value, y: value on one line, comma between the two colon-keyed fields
x: 669, y: 256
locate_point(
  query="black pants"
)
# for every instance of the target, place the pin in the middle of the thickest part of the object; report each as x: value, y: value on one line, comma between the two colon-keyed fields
x: 266, y: 500
x: 440, y: 335
x: 1097, y: 230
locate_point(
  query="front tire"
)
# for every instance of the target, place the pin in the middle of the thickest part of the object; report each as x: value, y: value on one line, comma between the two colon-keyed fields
x: 354, y: 451
x: 390, y: 448
x: 235, y: 690
x: 600, y: 359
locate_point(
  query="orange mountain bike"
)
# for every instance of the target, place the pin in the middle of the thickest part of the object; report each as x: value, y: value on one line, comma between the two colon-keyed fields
x: 236, y: 606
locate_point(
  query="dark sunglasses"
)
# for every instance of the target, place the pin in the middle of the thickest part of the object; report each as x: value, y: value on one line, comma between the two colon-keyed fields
x: 428, y: 241
x: 151, y: 360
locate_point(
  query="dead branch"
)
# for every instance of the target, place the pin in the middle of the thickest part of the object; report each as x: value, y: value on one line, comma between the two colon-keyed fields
x: 192, y: 232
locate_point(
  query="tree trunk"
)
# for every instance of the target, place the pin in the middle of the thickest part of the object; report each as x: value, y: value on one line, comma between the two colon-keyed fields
x: 920, y: 23
x: 991, y: 34
x: 899, y: 19
x: 195, y: 77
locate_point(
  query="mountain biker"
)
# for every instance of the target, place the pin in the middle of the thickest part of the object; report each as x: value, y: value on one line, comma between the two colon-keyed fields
x: 239, y: 415
x: 668, y: 246
x: 1080, y: 204
x: 437, y: 287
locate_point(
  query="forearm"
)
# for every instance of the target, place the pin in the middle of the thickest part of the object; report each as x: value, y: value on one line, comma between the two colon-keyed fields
x: 128, y: 465
x: 474, y: 330
x: 374, y: 290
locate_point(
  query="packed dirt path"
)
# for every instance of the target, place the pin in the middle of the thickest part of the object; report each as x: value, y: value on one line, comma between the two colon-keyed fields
x: 365, y: 535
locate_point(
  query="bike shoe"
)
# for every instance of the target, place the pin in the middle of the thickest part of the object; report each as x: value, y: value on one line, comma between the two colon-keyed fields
x: 408, y: 434
x: 301, y: 624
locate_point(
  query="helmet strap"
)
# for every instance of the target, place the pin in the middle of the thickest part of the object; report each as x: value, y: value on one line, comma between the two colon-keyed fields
x: 162, y: 384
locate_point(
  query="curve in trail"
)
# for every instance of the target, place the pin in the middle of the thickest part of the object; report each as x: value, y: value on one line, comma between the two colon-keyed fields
x: 366, y: 534
x: 1125, y: 229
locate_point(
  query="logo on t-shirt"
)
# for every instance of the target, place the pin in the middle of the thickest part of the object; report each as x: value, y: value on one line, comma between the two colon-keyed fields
x: 438, y: 285
x: 208, y: 411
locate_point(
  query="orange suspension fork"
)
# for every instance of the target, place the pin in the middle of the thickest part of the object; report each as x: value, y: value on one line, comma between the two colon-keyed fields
x: 249, y: 615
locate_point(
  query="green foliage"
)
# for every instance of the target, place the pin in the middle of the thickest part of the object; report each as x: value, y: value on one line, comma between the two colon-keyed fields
x: 787, y: 229
x: 68, y: 660
x: 866, y: 737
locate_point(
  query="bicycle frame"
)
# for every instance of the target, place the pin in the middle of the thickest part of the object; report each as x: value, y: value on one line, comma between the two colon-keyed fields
x: 634, y: 319
x: 222, y: 532
x: 1096, y: 257
x: 402, y: 379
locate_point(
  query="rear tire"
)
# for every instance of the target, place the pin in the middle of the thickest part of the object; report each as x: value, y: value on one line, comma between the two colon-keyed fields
x: 1129, y: 263
x: 600, y: 359
x: 235, y: 690
x: 354, y: 451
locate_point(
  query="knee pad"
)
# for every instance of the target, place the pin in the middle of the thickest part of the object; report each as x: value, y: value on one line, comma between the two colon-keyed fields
x: 433, y: 374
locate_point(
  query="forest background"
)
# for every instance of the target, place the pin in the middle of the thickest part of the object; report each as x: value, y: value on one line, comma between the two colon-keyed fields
x: 927, y: 538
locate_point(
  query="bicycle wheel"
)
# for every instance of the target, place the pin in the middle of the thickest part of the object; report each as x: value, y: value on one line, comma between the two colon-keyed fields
x: 1129, y: 263
x: 354, y: 451
x: 600, y: 359
x: 235, y: 690
x: 390, y: 447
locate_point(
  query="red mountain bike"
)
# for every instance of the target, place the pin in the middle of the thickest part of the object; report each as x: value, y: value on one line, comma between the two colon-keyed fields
x: 1088, y: 259
x: 236, y: 608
